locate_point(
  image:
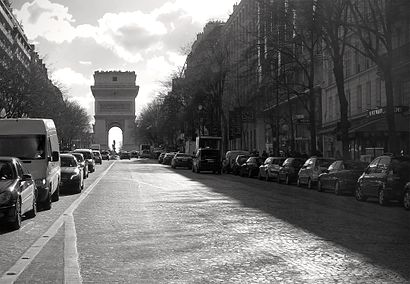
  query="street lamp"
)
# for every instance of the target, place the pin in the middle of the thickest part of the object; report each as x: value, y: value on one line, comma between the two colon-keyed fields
x: 200, y: 107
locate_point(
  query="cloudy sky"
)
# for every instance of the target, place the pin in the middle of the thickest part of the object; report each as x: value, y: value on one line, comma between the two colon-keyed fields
x: 78, y: 37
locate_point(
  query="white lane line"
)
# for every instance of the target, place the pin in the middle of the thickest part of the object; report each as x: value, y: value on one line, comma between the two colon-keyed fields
x: 28, y: 256
x: 71, y: 265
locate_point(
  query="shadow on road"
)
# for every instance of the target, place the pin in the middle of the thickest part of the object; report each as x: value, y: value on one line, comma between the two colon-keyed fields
x: 379, y: 234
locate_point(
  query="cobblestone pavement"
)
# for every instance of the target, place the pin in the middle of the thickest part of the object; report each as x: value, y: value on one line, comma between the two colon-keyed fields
x: 148, y: 223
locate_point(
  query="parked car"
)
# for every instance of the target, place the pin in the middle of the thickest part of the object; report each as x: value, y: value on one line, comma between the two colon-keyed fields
x: 289, y: 170
x: 82, y: 163
x: 125, y: 155
x: 385, y: 179
x: 270, y: 168
x: 406, y: 196
x: 341, y: 176
x: 182, y: 160
x: 72, y: 177
x: 311, y: 169
x: 161, y: 157
x: 89, y: 158
x: 240, y: 159
x: 97, y: 157
x: 251, y: 167
x: 18, y: 192
x: 207, y: 160
x: 229, y: 161
x: 168, y: 158
x: 105, y: 155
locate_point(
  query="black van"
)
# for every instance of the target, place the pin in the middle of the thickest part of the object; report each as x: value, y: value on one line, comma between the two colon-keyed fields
x: 207, y: 160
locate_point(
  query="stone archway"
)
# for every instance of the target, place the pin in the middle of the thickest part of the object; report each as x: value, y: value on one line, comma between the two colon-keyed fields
x: 115, y: 94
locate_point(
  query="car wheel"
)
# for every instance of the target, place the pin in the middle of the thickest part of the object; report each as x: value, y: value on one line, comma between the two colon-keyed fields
x: 259, y: 175
x: 33, y: 212
x: 298, y: 182
x: 249, y: 173
x: 56, y: 195
x: 359, y: 194
x: 16, y: 223
x: 267, y: 177
x: 382, y: 197
x: 406, y: 200
x: 309, y: 184
x: 287, y: 180
x: 337, y: 188
x: 82, y: 184
x: 319, y: 186
x: 47, y: 203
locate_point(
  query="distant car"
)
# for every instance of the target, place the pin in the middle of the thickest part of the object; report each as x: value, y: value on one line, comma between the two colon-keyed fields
x: 125, y: 155
x: 239, y: 160
x: 311, y: 169
x: 168, y: 158
x: 289, y: 170
x: 97, y: 157
x: 134, y: 154
x: 18, y: 193
x: 251, y: 167
x: 89, y: 158
x: 82, y: 163
x: 161, y: 157
x: 385, y: 179
x: 229, y: 161
x: 341, y: 176
x: 145, y: 154
x: 181, y: 160
x: 105, y: 155
x: 71, y: 173
x: 207, y: 160
x: 270, y: 168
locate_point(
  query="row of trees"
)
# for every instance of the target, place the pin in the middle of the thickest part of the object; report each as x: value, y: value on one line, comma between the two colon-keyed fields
x: 283, y: 56
x: 30, y: 93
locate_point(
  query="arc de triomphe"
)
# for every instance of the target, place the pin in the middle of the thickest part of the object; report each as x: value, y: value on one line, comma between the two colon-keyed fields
x: 115, y: 93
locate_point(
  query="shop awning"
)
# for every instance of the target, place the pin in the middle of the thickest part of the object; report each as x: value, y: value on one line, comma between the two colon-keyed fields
x: 380, y: 125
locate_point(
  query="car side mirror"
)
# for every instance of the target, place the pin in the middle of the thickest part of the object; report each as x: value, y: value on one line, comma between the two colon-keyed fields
x: 27, y: 177
x: 55, y: 156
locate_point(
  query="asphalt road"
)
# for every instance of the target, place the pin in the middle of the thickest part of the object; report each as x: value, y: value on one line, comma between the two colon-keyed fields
x: 141, y: 222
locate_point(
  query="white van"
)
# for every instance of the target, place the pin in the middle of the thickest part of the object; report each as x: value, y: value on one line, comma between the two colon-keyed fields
x: 35, y: 142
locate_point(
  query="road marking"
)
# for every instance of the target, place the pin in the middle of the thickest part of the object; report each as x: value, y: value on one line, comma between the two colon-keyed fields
x: 29, y: 255
x: 71, y: 265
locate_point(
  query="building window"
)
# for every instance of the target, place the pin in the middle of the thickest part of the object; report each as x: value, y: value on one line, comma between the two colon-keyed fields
x: 330, y: 108
x: 368, y: 95
x: 348, y: 63
x: 359, y: 98
x: 115, y: 79
x: 349, y: 99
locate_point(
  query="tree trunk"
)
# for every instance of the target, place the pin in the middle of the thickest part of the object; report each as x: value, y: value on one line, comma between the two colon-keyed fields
x: 393, y: 142
x: 344, y: 121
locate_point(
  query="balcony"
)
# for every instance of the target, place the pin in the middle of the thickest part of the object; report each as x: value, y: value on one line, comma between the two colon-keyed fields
x: 5, y: 14
x: 6, y: 33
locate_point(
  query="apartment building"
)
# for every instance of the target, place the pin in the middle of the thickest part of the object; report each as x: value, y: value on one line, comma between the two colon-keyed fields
x: 15, y: 50
x: 243, y: 96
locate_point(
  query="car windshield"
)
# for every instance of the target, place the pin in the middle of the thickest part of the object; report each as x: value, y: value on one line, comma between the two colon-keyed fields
x: 68, y: 161
x: 6, y: 170
x: 242, y: 159
x: 79, y: 157
x: 25, y: 147
x: 182, y: 155
x: 324, y: 163
x: 87, y: 155
x: 209, y: 154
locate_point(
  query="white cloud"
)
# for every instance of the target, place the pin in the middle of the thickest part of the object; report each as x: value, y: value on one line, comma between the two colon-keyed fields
x: 68, y: 77
x: 85, y: 62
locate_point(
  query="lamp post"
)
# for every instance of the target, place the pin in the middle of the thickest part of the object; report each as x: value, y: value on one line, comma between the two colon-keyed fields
x: 200, y: 107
